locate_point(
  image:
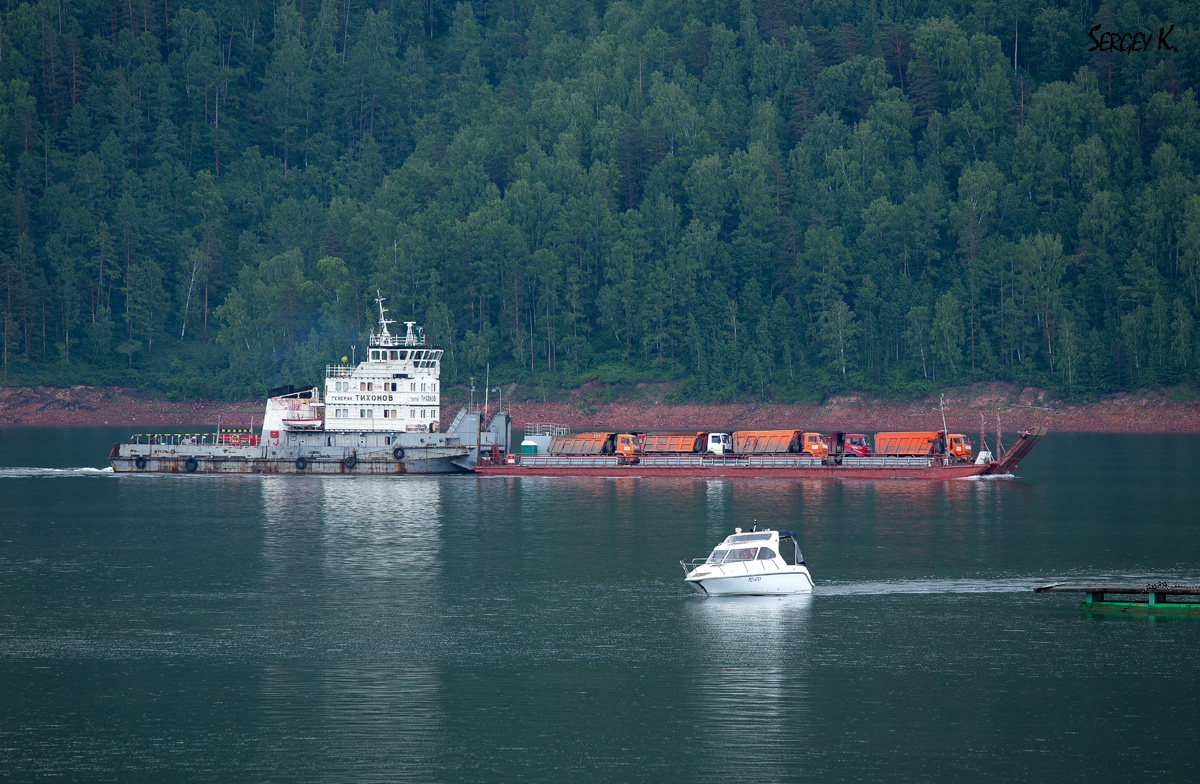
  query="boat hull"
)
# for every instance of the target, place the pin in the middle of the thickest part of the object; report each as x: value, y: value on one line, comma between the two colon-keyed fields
x: 935, y: 472
x: 779, y: 584
x: 140, y: 459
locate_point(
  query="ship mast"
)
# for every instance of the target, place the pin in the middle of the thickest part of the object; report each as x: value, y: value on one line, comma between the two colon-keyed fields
x: 383, y: 320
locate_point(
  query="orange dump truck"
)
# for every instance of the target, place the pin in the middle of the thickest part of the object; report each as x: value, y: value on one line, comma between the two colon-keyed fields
x: 933, y: 442
x: 773, y: 442
x: 686, y: 443
x: 595, y: 444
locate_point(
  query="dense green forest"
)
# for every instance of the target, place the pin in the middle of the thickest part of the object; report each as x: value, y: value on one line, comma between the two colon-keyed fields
x: 764, y: 199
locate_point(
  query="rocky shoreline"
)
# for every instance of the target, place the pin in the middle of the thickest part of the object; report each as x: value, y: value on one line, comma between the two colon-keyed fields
x: 647, y: 408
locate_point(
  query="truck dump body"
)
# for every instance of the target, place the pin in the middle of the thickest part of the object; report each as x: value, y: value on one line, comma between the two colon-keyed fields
x: 766, y: 442
x: 924, y: 443
x: 673, y: 443
x: 582, y: 444
x: 914, y: 444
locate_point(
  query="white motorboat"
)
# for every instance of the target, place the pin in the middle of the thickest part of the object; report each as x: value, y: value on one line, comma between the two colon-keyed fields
x: 751, y: 563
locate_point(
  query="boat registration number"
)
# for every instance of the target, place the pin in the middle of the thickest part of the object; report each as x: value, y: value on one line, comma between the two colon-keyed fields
x: 754, y: 579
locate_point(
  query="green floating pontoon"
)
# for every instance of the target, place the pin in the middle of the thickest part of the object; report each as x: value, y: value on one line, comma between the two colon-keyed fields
x: 1159, y: 597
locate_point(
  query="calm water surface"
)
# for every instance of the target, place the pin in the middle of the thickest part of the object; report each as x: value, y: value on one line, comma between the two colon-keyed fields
x: 468, y: 629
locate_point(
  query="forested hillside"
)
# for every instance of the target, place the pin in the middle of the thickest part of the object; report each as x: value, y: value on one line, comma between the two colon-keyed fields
x: 770, y: 199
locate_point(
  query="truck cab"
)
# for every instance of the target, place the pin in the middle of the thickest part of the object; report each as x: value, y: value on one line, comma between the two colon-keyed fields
x: 719, y: 444
x: 815, y: 444
x: 959, y: 447
x: 628, y: 444
x: 857, y: 444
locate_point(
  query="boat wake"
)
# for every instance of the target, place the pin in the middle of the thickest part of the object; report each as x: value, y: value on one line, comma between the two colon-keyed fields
x: 876, y: 588
x: 26, y: 472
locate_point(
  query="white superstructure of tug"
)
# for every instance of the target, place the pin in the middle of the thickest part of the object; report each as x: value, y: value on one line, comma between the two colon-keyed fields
x: 396, y: 388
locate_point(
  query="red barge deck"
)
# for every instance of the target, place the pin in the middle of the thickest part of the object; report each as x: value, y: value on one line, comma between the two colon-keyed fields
x: 756, y: 467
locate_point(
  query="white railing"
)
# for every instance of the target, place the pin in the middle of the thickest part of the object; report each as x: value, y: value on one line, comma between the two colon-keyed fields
x: 572, y: 461
x: 338, y: 371
x: 546, y: 429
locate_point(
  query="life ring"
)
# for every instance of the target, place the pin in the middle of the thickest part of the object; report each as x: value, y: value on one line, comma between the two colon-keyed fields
x: 190, y: 465
x: 350, y: 462
x: 140, y: 462
x: 301, y: 464
x: 398, y: 453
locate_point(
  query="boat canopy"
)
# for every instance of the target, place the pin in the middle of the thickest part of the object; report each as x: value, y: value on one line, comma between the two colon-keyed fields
x: 787, y: 535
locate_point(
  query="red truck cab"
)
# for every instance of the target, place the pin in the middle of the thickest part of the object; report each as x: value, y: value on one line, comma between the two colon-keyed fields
x: 858, y: 445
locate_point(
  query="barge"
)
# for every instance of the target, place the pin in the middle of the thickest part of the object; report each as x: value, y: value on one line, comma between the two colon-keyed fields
x: 782, y: 466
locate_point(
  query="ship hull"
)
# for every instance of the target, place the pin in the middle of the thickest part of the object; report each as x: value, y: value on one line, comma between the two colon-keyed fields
x: 748, y: 472
x: 316, y: 466
x: 327, y: 461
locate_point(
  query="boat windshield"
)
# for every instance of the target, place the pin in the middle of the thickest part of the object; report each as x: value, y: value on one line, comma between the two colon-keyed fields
x: 752, y: 537
x: 734, y: 554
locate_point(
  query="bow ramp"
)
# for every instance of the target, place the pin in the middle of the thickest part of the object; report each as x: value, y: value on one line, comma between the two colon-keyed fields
x: 1017, y: 452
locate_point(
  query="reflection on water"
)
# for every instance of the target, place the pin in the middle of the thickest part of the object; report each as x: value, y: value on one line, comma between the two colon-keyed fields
x: 363, y: 526
x: 381, y: 527
x: 750, y: 694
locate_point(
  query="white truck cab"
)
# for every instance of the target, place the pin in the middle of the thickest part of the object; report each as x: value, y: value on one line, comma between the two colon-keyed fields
x: 719, y: 444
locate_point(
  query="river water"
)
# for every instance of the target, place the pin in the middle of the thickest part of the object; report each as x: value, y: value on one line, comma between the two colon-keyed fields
x: 463, y: 629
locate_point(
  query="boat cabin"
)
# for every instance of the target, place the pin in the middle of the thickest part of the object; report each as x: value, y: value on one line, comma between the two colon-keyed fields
x: 758, y: 546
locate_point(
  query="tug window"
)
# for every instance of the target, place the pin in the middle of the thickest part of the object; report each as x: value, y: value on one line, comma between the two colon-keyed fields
x: 394, y: 354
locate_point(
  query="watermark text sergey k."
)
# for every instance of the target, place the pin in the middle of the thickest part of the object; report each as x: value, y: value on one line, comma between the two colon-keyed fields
x: 1130, y: 42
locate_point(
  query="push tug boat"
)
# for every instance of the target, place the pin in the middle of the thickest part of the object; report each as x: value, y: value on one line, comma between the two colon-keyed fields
x: 750, y: 564
x: 377, y: 417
